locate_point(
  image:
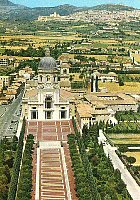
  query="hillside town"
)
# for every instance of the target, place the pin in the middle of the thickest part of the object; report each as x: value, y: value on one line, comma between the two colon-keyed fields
x: 96, y: 16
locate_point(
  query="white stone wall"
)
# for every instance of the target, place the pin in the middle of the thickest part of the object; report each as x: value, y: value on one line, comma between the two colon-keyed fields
x: 56, y: 108
x: 126, y: 107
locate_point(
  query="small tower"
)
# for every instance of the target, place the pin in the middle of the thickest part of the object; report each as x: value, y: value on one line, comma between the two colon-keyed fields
x: 64, y: 76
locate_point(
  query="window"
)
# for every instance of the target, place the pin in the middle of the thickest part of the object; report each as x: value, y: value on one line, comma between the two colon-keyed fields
x: 34, y: 108
x: 55, y: 78
x: 41, y: 78
x: 34, y: 114
x: 64, y: 71
x: 63, y: 114
x: 62, y: 107
x: 48, y: 115
x: 48, y: 78
x: 48, y: 102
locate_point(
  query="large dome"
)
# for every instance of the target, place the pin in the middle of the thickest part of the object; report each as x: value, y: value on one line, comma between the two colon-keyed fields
x: 47, y: 63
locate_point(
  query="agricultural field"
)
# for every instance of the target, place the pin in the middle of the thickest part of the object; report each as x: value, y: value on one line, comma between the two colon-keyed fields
x: 16, y: 42
x: 128, y: 86
x: 122, y: 59
x: 98, y: 57
x: 136, y: 57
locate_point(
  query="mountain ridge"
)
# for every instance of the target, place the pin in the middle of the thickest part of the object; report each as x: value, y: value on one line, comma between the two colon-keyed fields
x: 10, y: 10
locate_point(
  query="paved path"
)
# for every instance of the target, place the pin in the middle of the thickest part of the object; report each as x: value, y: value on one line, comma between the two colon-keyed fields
x: 54, y: 175
x: 10, y: 114
x: 134, y: 148
x: 132, y: 187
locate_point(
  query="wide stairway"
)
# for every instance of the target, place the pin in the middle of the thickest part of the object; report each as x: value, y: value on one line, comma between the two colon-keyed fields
x: 52, y: 184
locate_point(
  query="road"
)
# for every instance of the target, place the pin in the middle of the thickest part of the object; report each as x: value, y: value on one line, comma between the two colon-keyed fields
x: 12, y: 112
x: 132, y: 187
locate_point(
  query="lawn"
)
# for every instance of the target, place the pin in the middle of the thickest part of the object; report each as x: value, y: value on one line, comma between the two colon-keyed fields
x: 124, y: 136
x: 128, y: 86
x: 126, y: 141
x: 135, y: 155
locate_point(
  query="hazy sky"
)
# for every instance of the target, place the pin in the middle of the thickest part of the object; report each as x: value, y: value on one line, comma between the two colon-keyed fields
x: 49, y: 3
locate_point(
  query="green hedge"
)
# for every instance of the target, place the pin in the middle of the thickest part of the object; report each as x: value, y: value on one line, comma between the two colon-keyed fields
x: 124, y: 127
x: 82, y: 185
x: 16, y: 167
x: 25, y: 180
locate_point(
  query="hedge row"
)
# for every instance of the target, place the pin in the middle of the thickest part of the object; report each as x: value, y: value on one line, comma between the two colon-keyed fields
x: 82, y: 185
x: 124, y: 127
x: 93, y: 194
x: 16, y: 167
x: 25, y: 180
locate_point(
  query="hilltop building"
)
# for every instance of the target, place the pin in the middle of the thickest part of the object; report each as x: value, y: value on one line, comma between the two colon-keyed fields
x: 53, y: 16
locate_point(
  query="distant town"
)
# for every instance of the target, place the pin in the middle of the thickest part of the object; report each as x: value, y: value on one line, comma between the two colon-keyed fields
x: 96, y: 16
x: 70, y: 105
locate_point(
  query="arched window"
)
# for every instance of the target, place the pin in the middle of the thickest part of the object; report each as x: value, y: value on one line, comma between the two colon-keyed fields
x: 41, y: 78
x: 64, y: 71
x: 54, y: 78
x: 48, y: 78
x: 48, y: 102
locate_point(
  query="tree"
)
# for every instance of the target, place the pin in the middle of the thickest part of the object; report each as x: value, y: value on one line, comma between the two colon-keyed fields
x: 107, y: 197
x: 120, y: 186
x: 123, y: 149
x: 3, y: 191
x: 121, y: 82
x: 117, y: 174
x: 131, y: 160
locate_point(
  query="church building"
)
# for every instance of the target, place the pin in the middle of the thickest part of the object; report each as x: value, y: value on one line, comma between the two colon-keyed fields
x: 42, y: 99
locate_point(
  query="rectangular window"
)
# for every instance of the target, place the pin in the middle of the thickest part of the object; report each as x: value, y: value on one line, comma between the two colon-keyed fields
x: 34, y: 114
x: 49, y: 104
x: 63, y: 114
x: 48, y: 115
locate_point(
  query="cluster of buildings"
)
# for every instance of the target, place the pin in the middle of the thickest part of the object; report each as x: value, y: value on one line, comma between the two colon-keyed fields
x: 49, y: 96
x: 10, y: 86
x: 102, y: 107
x: 53, y: 16
x: 96, y: 16
x: 104, y: 15
x: 14, y: 61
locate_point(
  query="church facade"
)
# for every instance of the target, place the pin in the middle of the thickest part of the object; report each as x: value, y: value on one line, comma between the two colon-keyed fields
x: 42, y: 99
